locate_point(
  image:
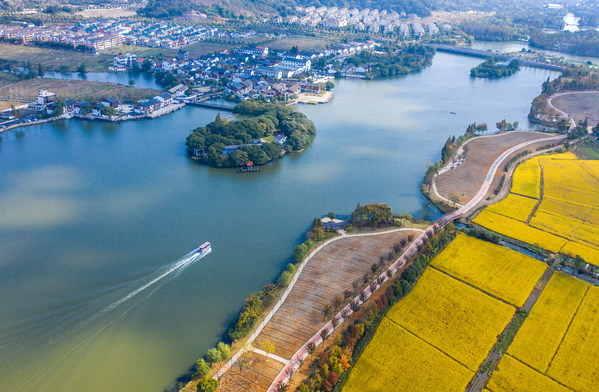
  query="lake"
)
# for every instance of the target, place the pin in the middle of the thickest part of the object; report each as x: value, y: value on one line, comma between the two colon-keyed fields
x: 96, y: 218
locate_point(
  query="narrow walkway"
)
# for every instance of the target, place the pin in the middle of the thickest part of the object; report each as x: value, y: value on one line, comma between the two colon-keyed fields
x: 269, y: 356
x: 481, y: 378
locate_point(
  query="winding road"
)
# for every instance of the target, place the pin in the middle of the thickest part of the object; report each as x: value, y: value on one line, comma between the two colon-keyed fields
x: 292, y: 366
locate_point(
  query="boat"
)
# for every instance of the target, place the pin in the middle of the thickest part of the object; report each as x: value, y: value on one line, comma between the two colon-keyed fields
x: 204, y: 248
x: 451, y: 112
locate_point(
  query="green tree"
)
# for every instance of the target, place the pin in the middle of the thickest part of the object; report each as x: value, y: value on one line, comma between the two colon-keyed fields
x: 294, y: 50
x: 202, y: 368
x: 285, y: 279
x: 299, y: 252
x: 214, y: 355
x: 40, y: 70
x: 224, y: 349
x: 131, y: 82
x: 207, y: 385
x: 82, y: 69
x: 146, y: 65
x: 331, y: 215
x: 86, y: 109
x: 59, y: 108
x: 108, y: 111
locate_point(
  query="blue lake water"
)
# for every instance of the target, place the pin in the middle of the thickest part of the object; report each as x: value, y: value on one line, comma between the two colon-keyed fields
x: 96, y: 218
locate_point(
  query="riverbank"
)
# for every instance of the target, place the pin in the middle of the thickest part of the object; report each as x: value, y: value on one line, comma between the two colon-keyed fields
x: 158, y: 113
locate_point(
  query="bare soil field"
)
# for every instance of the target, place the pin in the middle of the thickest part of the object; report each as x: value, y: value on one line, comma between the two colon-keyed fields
x: 464, y: 181
x: 76, y: 89
x: 54, y: 59
x: 9, y: 104
x: 107, y: 13
x: 330, y: 272
x: 327, y: 275
x: 257, y: 377
x: 302, y: 42
x: 579, y: 106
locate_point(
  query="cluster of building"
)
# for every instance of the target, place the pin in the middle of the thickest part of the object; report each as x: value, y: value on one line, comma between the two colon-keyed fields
x: 106, y: 34
x: 373, y: 21
x: 248, y: 71
x: 68, y: 34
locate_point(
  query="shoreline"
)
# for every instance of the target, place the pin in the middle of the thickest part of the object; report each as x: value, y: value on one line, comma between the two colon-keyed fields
x: 68, y: 116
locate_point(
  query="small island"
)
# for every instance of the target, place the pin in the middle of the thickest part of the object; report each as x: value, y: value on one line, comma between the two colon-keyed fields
x: 386, y: 61
x: 494, y: 68
x: 266, y: 132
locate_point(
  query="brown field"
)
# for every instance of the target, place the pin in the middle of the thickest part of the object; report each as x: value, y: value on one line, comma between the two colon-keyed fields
x: 465, y: 180
x: 302, y: 42
x: 140, y: 51
x: 54, y: 59
x: 107, y: 13
x: 76, y: 89
x: 327, y: 275
x: 9, y: 104
x: 257, y: 377
x: 579, y: 106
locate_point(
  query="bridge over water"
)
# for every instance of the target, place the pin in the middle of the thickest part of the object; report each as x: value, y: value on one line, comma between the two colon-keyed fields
x: 500, y: 56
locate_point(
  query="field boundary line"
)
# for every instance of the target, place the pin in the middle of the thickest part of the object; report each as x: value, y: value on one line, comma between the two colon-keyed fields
x: 474, y: 287
x: 567, y: 330
x: 540, y: 199
x: 542, y: 374
x: 430, y: 344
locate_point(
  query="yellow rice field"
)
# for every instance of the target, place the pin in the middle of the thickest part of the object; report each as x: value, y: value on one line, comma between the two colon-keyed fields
x: 396, y: 360
x: 502, y: 272
x: 566, y: 227
x: 579, y: 212
x: 576, y: 362
x: 588, y: 253
x: 566, y: 220
x: 549, y: 319
x: 527, y: 179
x: 459, y: 320
x: 519, y: 230
x: 513, y: 376
x: 514, y: 206
x: 570, y: 181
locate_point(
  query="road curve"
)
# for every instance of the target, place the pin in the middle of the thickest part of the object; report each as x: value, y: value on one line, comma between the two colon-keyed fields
x: 286, y: 373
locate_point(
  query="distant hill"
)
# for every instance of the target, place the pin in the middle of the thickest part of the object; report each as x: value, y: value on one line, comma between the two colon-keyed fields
x: 229, y: 8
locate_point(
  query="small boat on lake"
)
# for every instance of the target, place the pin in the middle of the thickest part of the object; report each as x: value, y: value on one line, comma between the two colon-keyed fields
x: 204, y: 248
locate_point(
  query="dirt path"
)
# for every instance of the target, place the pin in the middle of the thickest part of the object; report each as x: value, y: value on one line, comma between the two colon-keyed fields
x: 490, y: 364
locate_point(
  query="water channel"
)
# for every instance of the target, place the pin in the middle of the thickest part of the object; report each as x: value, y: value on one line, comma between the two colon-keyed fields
x: 96, y: 220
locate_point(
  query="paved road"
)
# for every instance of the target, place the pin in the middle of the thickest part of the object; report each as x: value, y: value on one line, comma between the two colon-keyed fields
x: 286, y: 373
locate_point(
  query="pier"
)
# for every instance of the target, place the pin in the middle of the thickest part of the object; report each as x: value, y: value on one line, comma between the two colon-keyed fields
x: 249, y: 169
x: 500, y: 56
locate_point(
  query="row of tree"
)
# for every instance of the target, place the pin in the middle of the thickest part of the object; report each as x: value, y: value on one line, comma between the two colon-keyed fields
x: 582, y: 43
